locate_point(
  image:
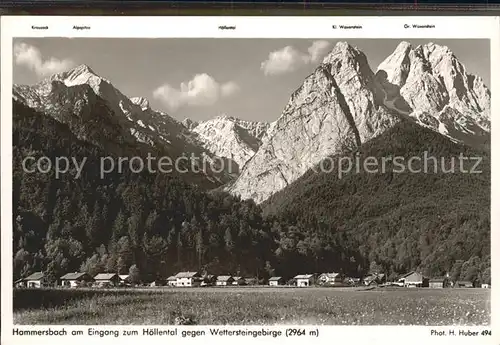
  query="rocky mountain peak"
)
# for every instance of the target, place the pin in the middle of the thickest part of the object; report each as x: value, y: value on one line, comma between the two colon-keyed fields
x: 225, y: 117
x: 82, y: 74
x: 343, y: 104
x: 82, y: 69
x: 438, y: 91
x: 342, y: 50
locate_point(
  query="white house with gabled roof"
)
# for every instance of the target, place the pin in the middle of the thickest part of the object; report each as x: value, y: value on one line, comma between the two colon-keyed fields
x: 304, y: 280
x: 188, y: 279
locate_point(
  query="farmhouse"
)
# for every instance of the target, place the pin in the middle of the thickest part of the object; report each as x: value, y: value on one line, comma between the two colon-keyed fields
x: 485, y: 286
x: 188, y: 279
x: 157, y: 282
x: 251, y: 281
x: 331, y: 279
x: 238, y: 281
x: 303, y: 280
x: 413, y: 279
x: 75, y: 279
x: 463, y: 284
x: 209, y: 280
x: 353, y: 281
x: 224, y: 280
x: 374, y: 279
x: 123, y: 277
x: 35, y: 280
x: 172, y: 281
x: 107, y: 279
x: 275, y: 281
x: 20, y: 283
x: 438, y: 283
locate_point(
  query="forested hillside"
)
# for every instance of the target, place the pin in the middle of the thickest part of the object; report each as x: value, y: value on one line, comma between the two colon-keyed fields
x: 152, y: 225
x: 435, y: 222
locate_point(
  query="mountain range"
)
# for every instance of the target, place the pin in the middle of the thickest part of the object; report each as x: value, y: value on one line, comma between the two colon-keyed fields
x: 419, y: 100
x: 342, y: 103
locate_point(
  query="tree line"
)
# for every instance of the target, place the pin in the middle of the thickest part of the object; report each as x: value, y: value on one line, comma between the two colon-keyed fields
x: 155, y: 225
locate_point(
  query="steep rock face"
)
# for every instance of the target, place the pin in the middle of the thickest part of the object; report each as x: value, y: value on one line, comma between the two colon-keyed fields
x: 434, y: 83
x: 229, y: 137
x: 224, y: 137
x: 256, y: 129
x: 335, y: 109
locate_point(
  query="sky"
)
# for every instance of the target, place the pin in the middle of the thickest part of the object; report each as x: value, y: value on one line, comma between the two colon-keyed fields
x: 200, y: 78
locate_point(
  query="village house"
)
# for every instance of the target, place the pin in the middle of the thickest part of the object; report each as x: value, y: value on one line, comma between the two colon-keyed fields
x: 251, y: 281
x: 303, y: 280
x: 331, y: 279
x: 238, y: 281
x: 35, y: 280
x: 188, y: 279
x: 157, y: 282
x: 20, y: 283
x: 224, y: 280
x: 438, y: 283
x: 75, y: 279
x: 276, y: 281
x: 209, y: 280
x: 463, y: 284
x: 485, y: 286
x: 353, y: 281
x: 413, y: 279
x: 172, y: 281
x: 107, y: 279
x: 123, y: 277
x: 374, y: 279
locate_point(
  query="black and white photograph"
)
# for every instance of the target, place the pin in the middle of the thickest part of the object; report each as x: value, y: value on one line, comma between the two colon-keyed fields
x: 251, y: 181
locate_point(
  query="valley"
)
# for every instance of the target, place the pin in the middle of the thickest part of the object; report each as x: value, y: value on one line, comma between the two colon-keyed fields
x: 267, y: 210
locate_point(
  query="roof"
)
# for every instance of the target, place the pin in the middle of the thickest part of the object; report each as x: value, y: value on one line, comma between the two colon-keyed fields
x: 275, y: 278
x: 73, y: 276
x: 123, y: 276
x: 105, y: 276
x: 464, y: 282
x: 303, y: 276
x: 419, y: 276
x: 238, y: 278
x: 437, y: 279
x: 224, y: 278
x: 409, y: 274
x: 186, y: 274
x: 332, y: 275
x: 374, y: 276
x: 35, y: 276
x: 171, y: 278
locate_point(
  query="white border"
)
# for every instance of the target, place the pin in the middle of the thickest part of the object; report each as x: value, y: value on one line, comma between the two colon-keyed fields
x: 247, y: 27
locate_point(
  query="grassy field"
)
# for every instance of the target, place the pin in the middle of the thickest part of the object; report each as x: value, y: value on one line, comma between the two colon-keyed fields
x: 254, y: 306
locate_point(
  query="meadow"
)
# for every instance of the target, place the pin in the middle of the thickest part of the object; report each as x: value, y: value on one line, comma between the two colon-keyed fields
x: 253, y: 306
